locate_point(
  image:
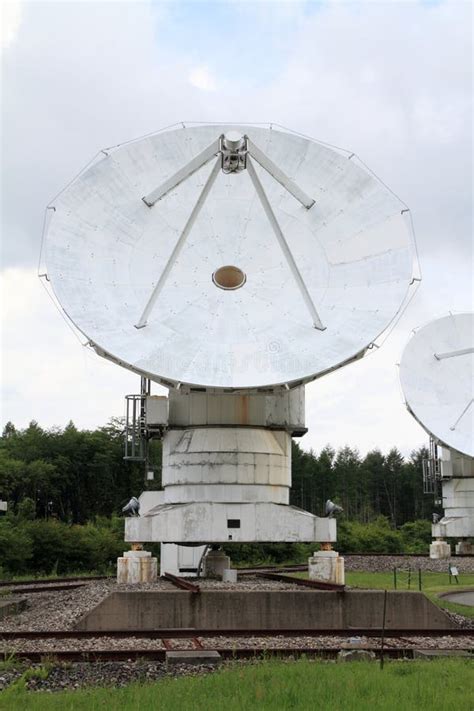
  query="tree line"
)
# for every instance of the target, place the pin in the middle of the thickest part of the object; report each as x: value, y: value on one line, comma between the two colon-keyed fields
x: 366, y: 487
x: 76, y: 475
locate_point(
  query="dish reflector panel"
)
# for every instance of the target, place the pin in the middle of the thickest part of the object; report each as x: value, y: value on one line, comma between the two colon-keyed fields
x: 135, y: 263
x: 437, y: 377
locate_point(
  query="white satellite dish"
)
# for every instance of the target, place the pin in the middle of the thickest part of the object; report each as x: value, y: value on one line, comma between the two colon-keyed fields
x: 229, y: 257
x: 437, y: 377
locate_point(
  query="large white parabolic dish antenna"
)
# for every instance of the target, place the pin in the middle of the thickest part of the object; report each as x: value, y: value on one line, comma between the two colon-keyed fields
x: 320, y: 256
x: 437, y: 377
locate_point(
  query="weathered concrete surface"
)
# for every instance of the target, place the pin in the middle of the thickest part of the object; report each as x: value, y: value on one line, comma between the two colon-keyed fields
x: 137, y: 567
x: 306, y: 609
x: 258, y: 522
x: 440, y: 550
x: 327, y: 566
x: 215, y: 563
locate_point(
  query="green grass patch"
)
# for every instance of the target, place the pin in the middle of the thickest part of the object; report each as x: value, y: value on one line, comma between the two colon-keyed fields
x: 279, y: 686
x: 431, y: 584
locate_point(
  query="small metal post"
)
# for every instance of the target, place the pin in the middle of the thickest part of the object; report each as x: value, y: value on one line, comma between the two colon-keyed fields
x: 419, y: 579
x: 383, y: 628
x: 409, y: 578
x: 395, y: 578
x: 134, y: 424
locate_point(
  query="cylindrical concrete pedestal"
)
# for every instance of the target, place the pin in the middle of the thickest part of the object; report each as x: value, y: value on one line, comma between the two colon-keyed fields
x: 326, y: 566
x: 464, y: 548
x: 229, y: 575
x: 215, y: 563
x: 440, y: 550
x: 137, y: 567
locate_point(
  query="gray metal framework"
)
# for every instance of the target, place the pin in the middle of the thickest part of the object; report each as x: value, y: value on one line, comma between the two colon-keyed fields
x: 234, y: 152
x: 135, y: 435
x: 432, y: 472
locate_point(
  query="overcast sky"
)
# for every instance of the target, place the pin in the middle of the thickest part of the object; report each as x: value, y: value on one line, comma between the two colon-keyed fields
x: 391, y: 81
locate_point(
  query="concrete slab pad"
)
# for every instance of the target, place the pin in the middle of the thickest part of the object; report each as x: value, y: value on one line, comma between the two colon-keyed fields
x: 264, y: 609
x: 197, y: 657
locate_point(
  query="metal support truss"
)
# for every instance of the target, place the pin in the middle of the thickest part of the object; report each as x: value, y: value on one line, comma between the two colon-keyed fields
x: 279, y: 175
x: 179, y: 245
x: 284, y: 245
x: 453, y: 354
x: 195, y: 164
x: 233, y: 151
x: 453, y: 427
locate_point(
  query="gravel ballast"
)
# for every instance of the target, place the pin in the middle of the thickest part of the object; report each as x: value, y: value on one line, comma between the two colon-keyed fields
x: 61, y: 610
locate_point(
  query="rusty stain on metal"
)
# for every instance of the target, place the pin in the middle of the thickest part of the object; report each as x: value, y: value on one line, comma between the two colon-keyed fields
x: 244, y: 409
x: 318, y: 584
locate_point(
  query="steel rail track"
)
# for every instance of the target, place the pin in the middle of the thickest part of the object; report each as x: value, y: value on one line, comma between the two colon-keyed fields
x: 43, y: 581
x: 191, y: 633
x: 50, y: 583
x: 229, y: 653
x: 181, y: 583
x: 317, y: 584
x: 17, y: 590
x: 246, y: 570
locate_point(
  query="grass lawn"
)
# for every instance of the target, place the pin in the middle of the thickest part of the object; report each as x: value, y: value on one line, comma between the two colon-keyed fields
x: 305, y: 685
x: 432, y: 584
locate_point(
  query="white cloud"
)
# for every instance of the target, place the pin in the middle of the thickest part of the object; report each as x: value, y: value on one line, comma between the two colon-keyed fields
x: 10, y: 20
x: 47, y: 374
x: 391, y: 81
x: 201, y: 78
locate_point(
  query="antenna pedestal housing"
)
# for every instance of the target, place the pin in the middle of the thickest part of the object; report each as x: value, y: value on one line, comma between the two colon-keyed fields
x: 457, y: 482
x: 243, y: 258
x: 227, y: 474
x: 437, y: 377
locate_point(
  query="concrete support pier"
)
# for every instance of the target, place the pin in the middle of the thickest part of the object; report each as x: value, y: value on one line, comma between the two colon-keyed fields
x: 215, y: 563
x: 137, y: 566
x: 464, y: 548
x: 440, y: 550
x: 327, y: 566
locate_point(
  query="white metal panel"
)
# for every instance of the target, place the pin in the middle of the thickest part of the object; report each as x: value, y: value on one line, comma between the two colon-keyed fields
x: 174, y: 558
x: 227, y: 493
x: 281, y: 408
x: 105, y: 251
x: 157, y: 410
x: 149, y: 499
x: 439, y: 392
x: 206, y: 464
x: 207, y: 522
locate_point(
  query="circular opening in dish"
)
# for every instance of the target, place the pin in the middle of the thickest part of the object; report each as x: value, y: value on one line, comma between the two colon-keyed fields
x: 229, y: 277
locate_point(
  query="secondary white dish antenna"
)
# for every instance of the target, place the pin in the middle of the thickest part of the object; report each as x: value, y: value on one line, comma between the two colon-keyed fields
x: 437, y: 377
x: 229, y: 256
